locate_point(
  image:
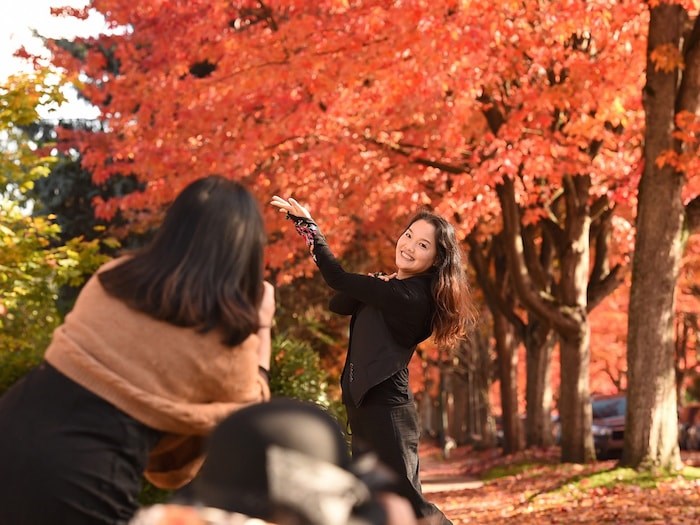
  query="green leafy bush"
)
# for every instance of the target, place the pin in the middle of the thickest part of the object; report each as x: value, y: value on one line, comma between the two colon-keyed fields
x: 295, y: 371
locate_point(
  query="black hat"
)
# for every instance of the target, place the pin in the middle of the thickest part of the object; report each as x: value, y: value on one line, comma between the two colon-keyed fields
x: 278, y: 458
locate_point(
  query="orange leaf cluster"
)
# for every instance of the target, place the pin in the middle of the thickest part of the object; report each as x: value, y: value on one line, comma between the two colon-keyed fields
x: 667, y: 58
x: 365, y: 110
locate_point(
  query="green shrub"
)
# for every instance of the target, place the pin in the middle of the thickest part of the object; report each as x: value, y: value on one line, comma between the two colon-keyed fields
x: 295, y: 371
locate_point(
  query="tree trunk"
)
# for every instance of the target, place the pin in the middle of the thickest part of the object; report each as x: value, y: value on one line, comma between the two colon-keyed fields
x: 574, y: 400
x: 463, y: 412
x: 574, y: 345
x: 444, y: 437
x: 507, y: 326
x: 539, y: 343
x: 476, y: 423
x: 507, y: 350
x: 483, y: 375
x: 651, y: 428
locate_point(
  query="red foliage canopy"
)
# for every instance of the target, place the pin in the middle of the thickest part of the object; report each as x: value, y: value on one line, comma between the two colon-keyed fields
x: 365, y: 110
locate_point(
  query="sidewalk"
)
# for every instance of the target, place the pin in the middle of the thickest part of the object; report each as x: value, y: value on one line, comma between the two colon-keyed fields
x: 446, y: 475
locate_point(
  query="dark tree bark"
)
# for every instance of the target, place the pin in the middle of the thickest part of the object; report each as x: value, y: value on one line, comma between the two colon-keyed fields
x: 507, y: 349
x: 507, y: 327
x: 539, y: 339
x: 539, y: 343
x: 651, y: 436
x: 535, y: 334
x: 482, y: 376
x: 472, y: 421
x: 574, y: 345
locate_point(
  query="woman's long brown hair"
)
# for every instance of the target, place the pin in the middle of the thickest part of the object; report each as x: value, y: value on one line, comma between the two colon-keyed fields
x: 204, y: 267
x: 454, y: 313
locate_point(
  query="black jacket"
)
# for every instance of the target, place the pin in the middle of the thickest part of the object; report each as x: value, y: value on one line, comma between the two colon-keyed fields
x: 373, y: 353
x: 389, y: 318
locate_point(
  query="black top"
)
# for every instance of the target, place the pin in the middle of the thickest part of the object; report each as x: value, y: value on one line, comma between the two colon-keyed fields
x: 406, y: 305
x: 72, y: 456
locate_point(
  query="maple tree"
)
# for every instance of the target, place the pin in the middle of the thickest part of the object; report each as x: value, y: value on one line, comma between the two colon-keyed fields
x: 523, y: 121
x: 572, y: 207
x: 668, y: 200
x: 312, y: 98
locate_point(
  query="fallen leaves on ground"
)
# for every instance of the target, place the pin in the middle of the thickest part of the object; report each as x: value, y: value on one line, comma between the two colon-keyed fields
x: 532, y: 487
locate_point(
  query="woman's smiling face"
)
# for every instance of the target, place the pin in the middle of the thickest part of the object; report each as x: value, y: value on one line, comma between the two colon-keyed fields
x: 415, y: 249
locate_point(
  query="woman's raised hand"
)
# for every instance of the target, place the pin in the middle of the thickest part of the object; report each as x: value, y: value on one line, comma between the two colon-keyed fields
x: 290, y: 206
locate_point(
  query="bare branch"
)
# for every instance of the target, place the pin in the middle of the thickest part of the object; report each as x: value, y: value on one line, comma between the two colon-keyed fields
x: 538, y: 301
x: 442, y: 166
x: 599, y: 290
x: 529, y: 235
x: 600, y: 237
x: 494, y: 298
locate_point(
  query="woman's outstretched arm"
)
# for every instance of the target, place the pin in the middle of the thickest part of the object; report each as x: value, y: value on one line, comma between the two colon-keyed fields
x: 381, y: 291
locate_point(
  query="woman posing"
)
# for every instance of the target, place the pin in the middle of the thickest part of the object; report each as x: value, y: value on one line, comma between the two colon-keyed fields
x: 161, y: 346
x: 428, y: 295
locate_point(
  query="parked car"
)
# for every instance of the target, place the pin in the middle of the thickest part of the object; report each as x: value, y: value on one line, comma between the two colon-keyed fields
x: 689, y: 427
x: 608, y: 426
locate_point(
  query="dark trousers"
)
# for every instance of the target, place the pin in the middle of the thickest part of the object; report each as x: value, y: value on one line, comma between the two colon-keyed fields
x: 393, y: 433
x: 66, y: 455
